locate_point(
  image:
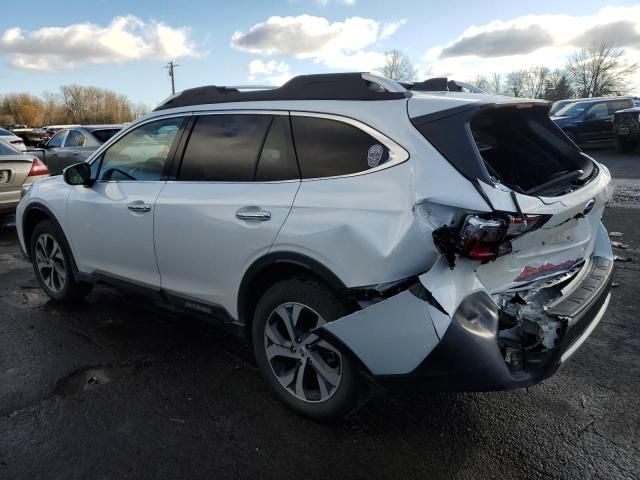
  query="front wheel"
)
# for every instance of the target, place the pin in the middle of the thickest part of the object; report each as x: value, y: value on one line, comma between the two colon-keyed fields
x: 51, y: 261
x: 311, y: 375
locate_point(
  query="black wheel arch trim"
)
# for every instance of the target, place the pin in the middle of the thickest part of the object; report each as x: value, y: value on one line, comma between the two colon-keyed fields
x: 276, y: 258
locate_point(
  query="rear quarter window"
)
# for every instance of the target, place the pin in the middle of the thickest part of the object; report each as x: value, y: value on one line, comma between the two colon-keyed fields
x: 328, y: 148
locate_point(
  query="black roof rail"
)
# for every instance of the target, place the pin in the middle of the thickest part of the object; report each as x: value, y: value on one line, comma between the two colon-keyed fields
x: 327, y: 86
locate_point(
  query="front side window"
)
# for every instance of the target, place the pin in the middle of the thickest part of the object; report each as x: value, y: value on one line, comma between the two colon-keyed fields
x: 57, y: 139
x: 74, y: 139
x: 142, y: 153
x: 224, y: 148
x: 328, y: 148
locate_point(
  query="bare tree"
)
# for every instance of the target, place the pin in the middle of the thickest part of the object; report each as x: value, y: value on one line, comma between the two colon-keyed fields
x: 397, y: 66
x: 495, y: 85
x: 515, y: 82
x: 482, y: 83
x: 600, y: 69
x: 535, y: 80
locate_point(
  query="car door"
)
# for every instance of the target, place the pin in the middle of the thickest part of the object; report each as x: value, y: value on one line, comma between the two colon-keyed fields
x: 223, y: 210
x: 597, y: 123
x: 52, y: 151
x: 111, y: 222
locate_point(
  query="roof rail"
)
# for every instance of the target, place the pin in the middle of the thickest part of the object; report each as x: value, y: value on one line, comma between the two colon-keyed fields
x: 330, y: 86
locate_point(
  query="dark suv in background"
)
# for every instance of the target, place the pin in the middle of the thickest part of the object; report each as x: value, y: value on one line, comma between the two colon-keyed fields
x: 590, y: 121
x: 626, y: 129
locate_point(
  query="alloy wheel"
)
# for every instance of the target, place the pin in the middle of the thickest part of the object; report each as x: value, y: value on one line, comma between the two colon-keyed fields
x: 308, y: 367
x: 50, y: 262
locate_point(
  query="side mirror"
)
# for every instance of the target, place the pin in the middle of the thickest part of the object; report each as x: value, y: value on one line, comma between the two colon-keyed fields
x: 78, y: 174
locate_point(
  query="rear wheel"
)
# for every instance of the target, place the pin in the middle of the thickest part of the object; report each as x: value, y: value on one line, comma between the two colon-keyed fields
x: 311, y: 375
x: 51, y: 261
x: 623, y: 145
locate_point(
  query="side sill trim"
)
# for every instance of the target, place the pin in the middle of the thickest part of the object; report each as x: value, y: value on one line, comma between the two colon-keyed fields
x: 582, y: 338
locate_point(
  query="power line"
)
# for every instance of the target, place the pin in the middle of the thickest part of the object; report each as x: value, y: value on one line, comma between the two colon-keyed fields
x: 172, y: 75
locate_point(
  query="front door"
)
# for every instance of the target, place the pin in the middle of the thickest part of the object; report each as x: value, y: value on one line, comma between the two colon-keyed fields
x: 111, y: 223
x: 597, y: 124
x: 52, y: 152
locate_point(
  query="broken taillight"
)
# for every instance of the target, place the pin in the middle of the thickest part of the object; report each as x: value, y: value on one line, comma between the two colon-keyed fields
x: 38, y: 168
x: 484, y: 238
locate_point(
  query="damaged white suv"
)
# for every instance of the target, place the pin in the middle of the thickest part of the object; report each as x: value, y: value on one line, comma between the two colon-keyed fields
x: 355, y: 229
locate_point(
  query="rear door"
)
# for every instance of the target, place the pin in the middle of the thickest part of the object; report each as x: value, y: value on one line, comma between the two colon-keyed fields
x: 597, y: 123
x: 232, y: 193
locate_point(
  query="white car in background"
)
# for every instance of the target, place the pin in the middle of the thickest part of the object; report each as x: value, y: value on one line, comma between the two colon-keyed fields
x: 358, y: 231
x: 12, y: 139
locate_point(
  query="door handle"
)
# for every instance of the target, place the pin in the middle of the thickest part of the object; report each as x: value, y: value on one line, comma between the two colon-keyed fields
x: 75, y: 153
x: 139, y: 207
x: 253, y: 214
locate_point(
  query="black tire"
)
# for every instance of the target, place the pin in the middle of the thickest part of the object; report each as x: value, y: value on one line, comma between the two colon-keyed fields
x: 63, y: 290
x: 625, y: 146
x: 316, y: 296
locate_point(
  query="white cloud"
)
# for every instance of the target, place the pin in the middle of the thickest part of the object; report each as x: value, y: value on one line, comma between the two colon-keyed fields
x: 522, y: 42
x: 343, y: 2
x: 338, y: 45
x: 124, y: 39
x: 271, y: 72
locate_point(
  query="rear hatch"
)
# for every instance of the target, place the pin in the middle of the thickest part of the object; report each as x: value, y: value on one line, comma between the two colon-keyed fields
x: 547, y: 197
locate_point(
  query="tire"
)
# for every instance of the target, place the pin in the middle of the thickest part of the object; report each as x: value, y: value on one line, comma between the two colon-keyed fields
x: 303, y: 299
x: 52, y: 264
x: 625, y: 146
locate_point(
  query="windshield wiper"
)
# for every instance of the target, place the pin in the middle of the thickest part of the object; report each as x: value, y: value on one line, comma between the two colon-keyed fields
x: 562, y: 178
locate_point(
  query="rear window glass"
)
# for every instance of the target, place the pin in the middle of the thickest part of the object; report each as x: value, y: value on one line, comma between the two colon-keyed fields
x: 329, y: 148
x: 5, y: 133
x: 104, y: 135
x: 7, y: 150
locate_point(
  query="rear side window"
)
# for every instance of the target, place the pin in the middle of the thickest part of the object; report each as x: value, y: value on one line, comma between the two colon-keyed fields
x: 74, y: 139
x: 224, y: 148
x: 329, y: 148
x: 104, y: 135
x: 616, y: 105
x: 278, y: 158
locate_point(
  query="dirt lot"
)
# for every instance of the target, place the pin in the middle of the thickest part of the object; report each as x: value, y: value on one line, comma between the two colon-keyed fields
x: 172, y: 397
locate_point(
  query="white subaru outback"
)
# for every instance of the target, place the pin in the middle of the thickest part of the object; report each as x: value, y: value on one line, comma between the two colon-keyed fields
x: 358, y: 231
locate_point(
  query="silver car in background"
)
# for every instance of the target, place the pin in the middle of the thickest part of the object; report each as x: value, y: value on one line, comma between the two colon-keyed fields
x: 17, y: 170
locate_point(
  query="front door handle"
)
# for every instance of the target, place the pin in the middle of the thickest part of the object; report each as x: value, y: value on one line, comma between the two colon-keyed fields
x: 139, y: 207
x: 253, y: 213
x: 75, y: 153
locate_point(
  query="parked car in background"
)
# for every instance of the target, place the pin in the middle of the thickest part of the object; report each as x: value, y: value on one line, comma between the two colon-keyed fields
x: 50, y: 130
x: 357, y: 232
x: 590, y: 121
x: 73, y: 145
x: 626, y: 129
x: 561, y: 104
x: 32, y: 137
x: 17, y: 170
x: 12, y: 139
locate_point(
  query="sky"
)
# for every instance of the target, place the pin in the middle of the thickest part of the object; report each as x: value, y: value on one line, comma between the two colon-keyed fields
x: 124, y: 44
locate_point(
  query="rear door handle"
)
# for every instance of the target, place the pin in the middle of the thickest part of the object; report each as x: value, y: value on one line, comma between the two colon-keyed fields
x: 75, y: 153
x: 139, y: 207
x: 253, y: 213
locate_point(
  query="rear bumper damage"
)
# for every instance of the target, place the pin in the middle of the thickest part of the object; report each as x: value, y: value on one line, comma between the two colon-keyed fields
x: 450, y: 334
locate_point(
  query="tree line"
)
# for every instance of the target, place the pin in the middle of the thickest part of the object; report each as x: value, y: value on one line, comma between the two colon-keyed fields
x: 72, y: 104
x: 594, y: 71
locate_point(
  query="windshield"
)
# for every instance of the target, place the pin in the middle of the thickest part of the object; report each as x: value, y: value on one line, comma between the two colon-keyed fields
x: 572, y: 110
x: 558, y: 105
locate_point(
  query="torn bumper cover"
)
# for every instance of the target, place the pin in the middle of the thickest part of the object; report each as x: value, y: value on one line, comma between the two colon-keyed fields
x: 410, y: 335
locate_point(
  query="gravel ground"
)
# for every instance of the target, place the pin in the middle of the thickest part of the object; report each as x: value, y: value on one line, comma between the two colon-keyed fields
x: 171, y: 397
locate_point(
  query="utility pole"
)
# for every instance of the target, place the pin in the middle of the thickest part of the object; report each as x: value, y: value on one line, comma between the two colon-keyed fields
x: 171, y: 66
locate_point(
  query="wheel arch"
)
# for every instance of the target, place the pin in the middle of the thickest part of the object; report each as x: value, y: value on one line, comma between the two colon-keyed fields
x: 274, y: 267
x: 36, y: 213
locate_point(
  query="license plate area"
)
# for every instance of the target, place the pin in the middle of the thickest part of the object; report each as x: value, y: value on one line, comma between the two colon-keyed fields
x: 5, y: 176
x: 623, y: 131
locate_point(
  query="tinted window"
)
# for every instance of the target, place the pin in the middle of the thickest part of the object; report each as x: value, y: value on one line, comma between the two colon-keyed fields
x: 142, y: 153
x: 616, y: 105
x: 5, y: 133
x: 74, y: 139
x: 327, y: 148
x: 224, y: 148
x: 599, y: 110
x: 104, y: 135
x: 56, y: 140
x: 278, y: 158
